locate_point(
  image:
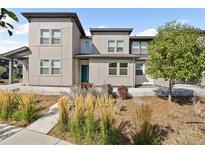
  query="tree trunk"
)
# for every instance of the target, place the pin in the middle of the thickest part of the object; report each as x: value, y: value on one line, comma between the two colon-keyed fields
x: 170, y: 91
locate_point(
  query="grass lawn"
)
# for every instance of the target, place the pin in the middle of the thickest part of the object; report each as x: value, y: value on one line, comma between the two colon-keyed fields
x: 178, y: 121
x: 44, y: 102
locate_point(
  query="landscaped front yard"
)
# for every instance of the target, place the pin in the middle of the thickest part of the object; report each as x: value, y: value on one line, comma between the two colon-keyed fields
x: 21, y: 109
x: 179, y: 122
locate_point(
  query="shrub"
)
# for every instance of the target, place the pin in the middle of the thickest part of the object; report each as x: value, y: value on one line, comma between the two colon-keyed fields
x: 86, y: 86
x: 90, y: 126
x: 107, y: 131
x: 118, y: 106
x: 122, y: 92
x: 146, y: 134
x: 108, y: 89
x: 28, y: 107
x: 63, y: 113
x: 78, y: 122
x: 7, y: 105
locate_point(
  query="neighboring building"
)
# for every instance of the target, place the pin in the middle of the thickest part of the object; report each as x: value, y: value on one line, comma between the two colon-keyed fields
x: 4, y: 62
x: 60, y: 53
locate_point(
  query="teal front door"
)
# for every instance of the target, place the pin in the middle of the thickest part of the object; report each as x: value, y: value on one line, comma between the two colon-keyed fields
x: 84, y: 73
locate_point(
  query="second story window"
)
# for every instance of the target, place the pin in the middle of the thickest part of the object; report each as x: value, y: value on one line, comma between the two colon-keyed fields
x: 87, y: 46
x: 50, y: 36
x: 45, y: 36
x: 111, y: 46
x: 144, y: 46
x: 56, y: 36
x: 140, y: 47
x: 136, y: 47
x: 120, y: 45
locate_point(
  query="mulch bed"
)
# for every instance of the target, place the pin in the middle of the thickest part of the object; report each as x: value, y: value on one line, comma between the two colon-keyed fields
x: 178, y: 119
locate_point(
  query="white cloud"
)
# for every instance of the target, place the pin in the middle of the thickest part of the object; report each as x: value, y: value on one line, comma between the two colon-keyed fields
x: 87, y: 32
x: 19, y: 29
x: 148, y: 32
x: 102, y: 26
x: 7, y: 45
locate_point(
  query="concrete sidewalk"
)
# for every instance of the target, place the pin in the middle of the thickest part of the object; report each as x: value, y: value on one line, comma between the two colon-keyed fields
x: 36, y: 133
x: 178, y: 90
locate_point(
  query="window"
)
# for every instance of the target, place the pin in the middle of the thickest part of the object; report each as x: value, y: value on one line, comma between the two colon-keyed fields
x: 45, y: 36
x: 123, y: 68
x: 112, y: 68
x: 139, y: 69
x: 87, y: 46
x: 56, y: 36
x: 44, y: 66
x: 144, y: 46
x: 136, y: 47
x: 56, y: 66
x: 111, y: 46
x: 120, y: 45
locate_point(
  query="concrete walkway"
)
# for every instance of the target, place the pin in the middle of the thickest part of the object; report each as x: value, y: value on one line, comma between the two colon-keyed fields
x: 178, y: 90
x: 7, y: 131
x: 36, y: 133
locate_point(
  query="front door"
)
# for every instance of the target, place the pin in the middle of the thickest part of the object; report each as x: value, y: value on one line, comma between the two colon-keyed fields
x: 84, y: 73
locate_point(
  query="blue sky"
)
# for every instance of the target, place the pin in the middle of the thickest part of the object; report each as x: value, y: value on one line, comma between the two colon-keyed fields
x: 144, y: 21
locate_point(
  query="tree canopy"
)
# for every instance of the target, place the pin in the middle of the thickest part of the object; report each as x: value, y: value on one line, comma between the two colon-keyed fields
x: 177, y: 53
x: 5, y: 14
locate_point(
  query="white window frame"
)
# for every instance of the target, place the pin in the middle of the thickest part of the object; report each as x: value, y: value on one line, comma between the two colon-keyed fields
x: 53, y: 37
x: 136, y: 48
x: 50, y: 37
x: 112, y: 61
x: 144, y: 47
x: 47, y: 67
x: 119, y: 47
x: 118, y: 67
x: 41, y: 37
x: 111, y: 47
x: 55, y: 67
x: 124, y: 61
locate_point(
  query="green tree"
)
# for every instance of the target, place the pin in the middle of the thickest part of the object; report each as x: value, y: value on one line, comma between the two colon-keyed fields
x: 2, y: 70
x: 177, y: 53
x: 5, y: 14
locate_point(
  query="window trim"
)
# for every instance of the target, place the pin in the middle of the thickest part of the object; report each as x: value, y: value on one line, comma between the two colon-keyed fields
x: 124, y: 61
x: 119, y: 47
x: 55, y: 67
x: 41, y: 67
x: 118, y: 67
x: 52, y: 37
x: 140, y: 47
x: 111, y: 47
x: 112, y: 61
x: 41, y: 37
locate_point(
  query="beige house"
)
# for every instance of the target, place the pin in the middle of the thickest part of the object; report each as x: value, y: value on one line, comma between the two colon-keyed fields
x: 60, y: 53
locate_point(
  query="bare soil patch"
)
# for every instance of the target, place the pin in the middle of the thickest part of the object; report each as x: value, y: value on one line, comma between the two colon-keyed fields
x: 178, y: 119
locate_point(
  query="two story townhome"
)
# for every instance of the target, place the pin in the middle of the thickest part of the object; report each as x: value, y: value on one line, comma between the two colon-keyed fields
x: 60, y: 53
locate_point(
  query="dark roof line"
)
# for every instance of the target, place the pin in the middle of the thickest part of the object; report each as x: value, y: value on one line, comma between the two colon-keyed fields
x: 15, y: 51
x: 129, y: 30
x: 73, y: 15
x: 106, y: 56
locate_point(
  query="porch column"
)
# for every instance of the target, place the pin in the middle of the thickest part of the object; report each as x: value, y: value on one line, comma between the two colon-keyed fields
x: 11, y: 71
